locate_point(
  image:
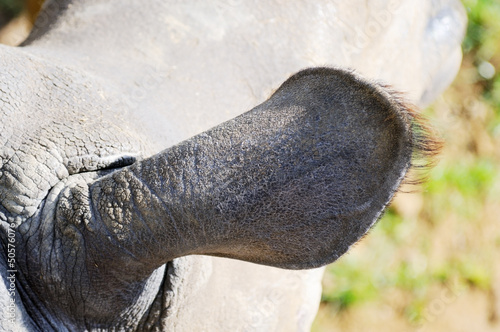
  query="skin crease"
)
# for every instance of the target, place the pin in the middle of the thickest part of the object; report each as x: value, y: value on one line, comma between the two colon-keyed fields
x: 107, y: 222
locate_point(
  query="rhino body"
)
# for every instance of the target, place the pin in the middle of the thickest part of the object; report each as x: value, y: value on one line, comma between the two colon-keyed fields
x: 101, y: 87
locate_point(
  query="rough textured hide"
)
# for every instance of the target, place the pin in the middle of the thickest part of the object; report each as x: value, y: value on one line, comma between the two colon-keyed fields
x: 105, y: 84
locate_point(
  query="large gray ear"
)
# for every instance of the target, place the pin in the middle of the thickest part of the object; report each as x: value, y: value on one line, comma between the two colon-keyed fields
x: 330, y: 150
x: 292, y: 183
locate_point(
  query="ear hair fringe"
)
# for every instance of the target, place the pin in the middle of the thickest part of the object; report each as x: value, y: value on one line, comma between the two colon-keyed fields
x: 426, y: 144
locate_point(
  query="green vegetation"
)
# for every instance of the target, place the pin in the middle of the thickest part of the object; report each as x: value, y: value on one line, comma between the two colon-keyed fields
x: 342, y: 294
x: 10, y: 8
x: 482, y: 45
x: 461, y: 186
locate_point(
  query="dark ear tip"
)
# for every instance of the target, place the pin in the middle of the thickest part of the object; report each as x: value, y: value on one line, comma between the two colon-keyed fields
x: 316, y: 73
x: 425, y: 142
x: 403, y: 139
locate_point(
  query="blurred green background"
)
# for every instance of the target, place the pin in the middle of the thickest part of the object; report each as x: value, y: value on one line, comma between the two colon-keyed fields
x: 432, y: 262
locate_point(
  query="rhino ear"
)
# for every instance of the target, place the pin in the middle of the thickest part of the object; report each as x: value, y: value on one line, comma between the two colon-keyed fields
x: 338, y: 149
x: 292, y: 183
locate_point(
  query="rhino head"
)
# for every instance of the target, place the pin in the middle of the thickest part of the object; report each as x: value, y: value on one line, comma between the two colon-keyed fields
x: 108, y: 230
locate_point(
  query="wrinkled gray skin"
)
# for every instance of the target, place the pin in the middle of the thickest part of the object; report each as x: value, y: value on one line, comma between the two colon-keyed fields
x: 111, y: 232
